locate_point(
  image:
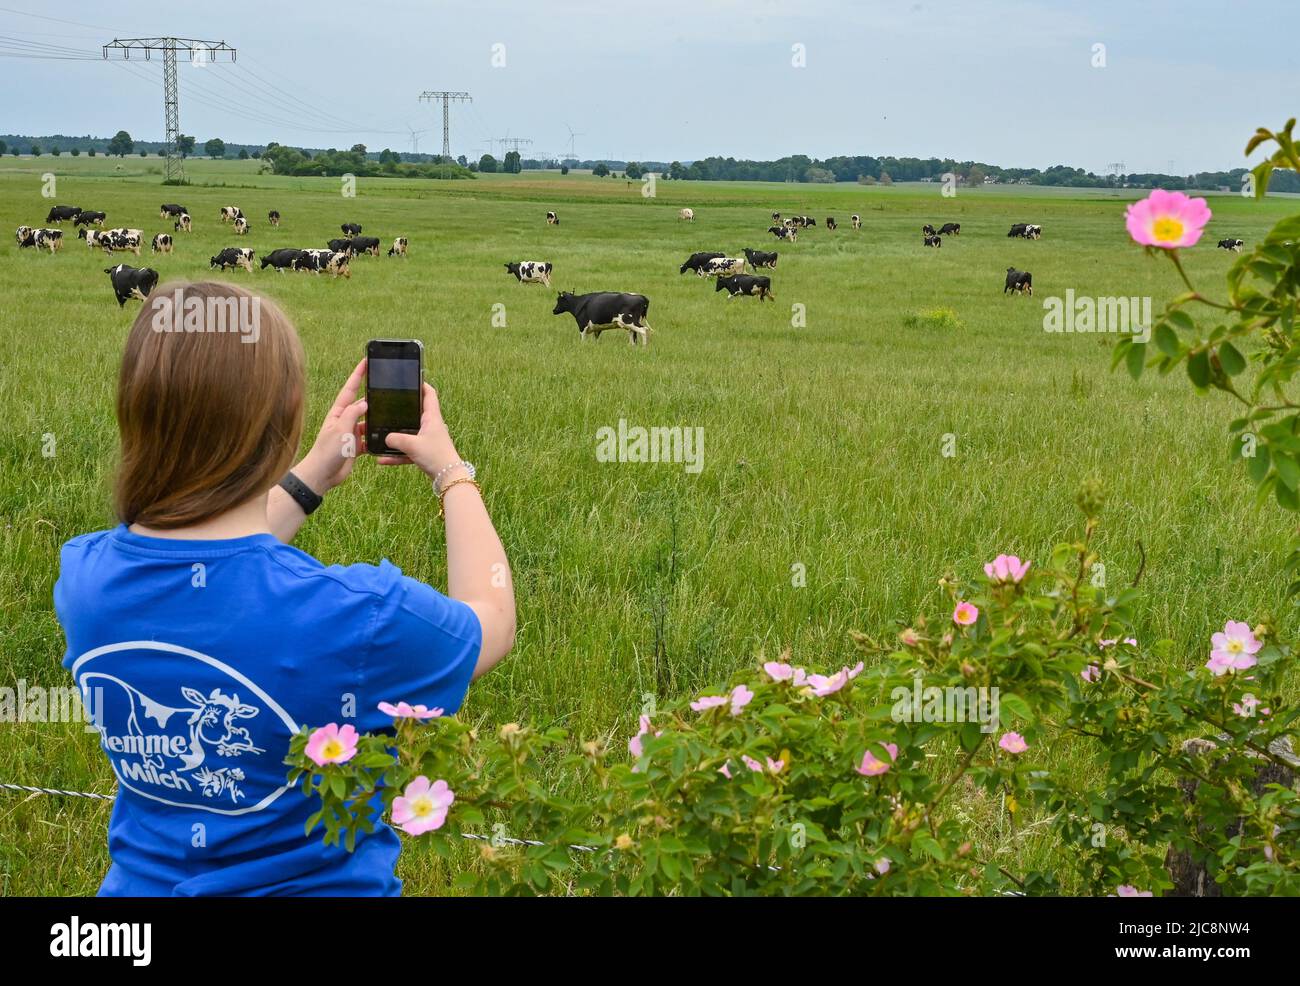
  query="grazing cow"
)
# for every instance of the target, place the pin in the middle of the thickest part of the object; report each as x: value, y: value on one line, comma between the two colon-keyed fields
x: 754, y: 285
x: 783, y: 233
x: 1018, y: 281
x: 281, y: 260
x: 1033, y: 232
x: 830, y: 222
x: 131, y: 282
x: 338, y: 265
x: 1233, y: 245
x: 398, y: 249
x: 42, y: 239
x: 856, y: 220
x: 365, y: 244
x: 934, y: 240
x: 531, y: 271
x: 1017, y: 229
x: 697, y: 260
x: 233, y: 257
x: 721, y: 266
x: 928, y: 230
x: 113, y: 239
x: 229, y: 213
x: 946, y: 228
x: 86, y: 218
x: 241, y: 226
x: 24, y: 232
x: 171, y: 210
x: 162, y: 243
x: 351, y: 229
x: 340, y: 246
x: 603, y: 310
x: 62, y: 213
x: 757, y: 259
x: 687, y: 214
x: 552, y: 219
x: 184, y: 223
x: 330, y: 261
x: 776, y: 217
x: 273, y: 218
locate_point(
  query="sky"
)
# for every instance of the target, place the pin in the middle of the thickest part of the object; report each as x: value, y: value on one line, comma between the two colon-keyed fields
x: 1176, y: 86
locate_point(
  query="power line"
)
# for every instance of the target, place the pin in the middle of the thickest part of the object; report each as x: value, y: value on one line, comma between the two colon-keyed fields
x: 446, y: 97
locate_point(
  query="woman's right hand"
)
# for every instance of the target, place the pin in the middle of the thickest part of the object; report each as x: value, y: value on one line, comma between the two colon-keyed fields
x: 432, y: 448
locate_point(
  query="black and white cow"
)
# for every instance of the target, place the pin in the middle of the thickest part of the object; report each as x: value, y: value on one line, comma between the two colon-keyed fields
x: 331, y: 262
x: 351, y: 229
x: 856, y: 220
x: 162, y: 243
x: 1018, y: 281
x: 131, y: 282
x: 531, y: 272
x: 1033, y: 232
x: 758, y: 258
x: 754, y: 285
x: 365, y: 244
x: 1233, y: 245
x: 184, y: 223
x: 928, y: 230
x: 697, y: 260
x: 934, y: 240
x: 603, y: 310
x: 722, y: 267
x: 398, y: 249
x: 273, y: 217
x: 830, y: 222
x: 946, y: 228
x: 229, y: 213
x: 282, y: 259
x: 687, y: 214
x: 87, y: 218
x: 233, y: 257
x: 1017, y: 229
x: 23, y: 233
x: 341, y: 245
x: 171, y: 210
x: 62, y: 213
x: 552, y: 219
x: 776, y: 217
x: 783, y: 233
x: 41, y: 239
x: 241, y: 226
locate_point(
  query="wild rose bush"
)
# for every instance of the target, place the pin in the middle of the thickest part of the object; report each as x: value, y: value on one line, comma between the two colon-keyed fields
x: 785, y: 780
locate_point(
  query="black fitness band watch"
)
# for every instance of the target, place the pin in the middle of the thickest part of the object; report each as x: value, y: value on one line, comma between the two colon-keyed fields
x: 302, y: 494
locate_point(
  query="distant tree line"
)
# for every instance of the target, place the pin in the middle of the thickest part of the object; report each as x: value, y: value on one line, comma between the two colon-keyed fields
x: 283, y: 160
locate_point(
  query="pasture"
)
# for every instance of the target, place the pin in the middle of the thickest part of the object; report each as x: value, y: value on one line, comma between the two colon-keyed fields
x: 823, y: 442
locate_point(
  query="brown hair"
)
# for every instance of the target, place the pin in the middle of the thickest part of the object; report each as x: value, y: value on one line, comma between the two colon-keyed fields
x: 209, y: 403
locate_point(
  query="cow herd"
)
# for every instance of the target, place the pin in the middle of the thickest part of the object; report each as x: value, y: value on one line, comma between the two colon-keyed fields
x: 128, y: 282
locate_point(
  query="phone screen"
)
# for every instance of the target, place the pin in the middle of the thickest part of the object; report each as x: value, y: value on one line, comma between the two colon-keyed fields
x: 394, y: 377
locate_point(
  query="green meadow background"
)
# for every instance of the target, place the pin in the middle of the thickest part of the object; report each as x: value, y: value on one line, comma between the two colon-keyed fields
x: 822, y: 443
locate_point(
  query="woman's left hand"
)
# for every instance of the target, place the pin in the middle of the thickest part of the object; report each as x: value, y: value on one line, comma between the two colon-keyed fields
x: 335, y: 450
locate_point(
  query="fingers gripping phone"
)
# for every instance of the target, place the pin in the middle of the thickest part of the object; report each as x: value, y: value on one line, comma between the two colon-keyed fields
x: 394, y: 388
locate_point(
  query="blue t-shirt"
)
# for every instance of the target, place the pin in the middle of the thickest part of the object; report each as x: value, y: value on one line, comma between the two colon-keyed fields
x: 200, y: 659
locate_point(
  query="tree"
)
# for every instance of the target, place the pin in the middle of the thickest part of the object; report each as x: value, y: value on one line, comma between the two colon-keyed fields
x: 90, y: 152
x: 359, y: 149
x: 634, y: 170
x: 255, y: 155
x: 975, y: 176
x: 3, y: 147
x: 512, y: 164
x: 462, y: 162
x: 243, y: 154
x: 676, y: 171
x: 487, y: 164
x: 55, y: 151
x: 144, y: 153
x: 36, y: 150
x: 884, y: 177
x: 564, y: 169
x: 184, y: 145
x: 600, y: 170
x: 121, y: 144
x: 386, y: 156
x: 76, y: 152
x: 216, y: 147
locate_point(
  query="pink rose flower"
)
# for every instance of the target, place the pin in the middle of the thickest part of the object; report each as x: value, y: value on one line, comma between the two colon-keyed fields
x: 1006, y: 568
x: 1013, y: 743
x: 856, y: 670
x: 882, y: 866
x: 1125, y: 890
x: 634, y: 744
x: 422, y: 807
x: 1091, y: 673
x: 752, y: 764
x: 872, y: 766
x: 404, y: 711
x: 707, y: 702
x: 779, y: 670
x: 740, y: 697
x: 1233, y: 649
x: 725, y: 771
x: 775, y: 766
x: 822, y: 685
x: 1167, y: 220
x: 965, y: 614
x: 332, y: 744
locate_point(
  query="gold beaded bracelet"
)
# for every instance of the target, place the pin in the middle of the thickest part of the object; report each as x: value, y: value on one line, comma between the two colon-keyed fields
x: 442, y: 494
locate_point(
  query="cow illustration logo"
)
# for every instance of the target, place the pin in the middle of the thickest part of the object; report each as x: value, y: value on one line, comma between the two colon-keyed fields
x: 186, y: 729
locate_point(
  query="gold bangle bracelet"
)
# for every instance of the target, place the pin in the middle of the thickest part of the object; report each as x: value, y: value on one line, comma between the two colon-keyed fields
x: 455, y: 482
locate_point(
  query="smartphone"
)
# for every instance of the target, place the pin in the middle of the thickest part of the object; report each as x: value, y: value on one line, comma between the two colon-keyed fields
x: 394, y: 391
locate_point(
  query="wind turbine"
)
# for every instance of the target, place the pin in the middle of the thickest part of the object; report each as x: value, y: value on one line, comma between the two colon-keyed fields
x: 572, y: 156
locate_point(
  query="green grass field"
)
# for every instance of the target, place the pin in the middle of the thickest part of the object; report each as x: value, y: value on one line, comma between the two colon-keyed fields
x: 823, y: 443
